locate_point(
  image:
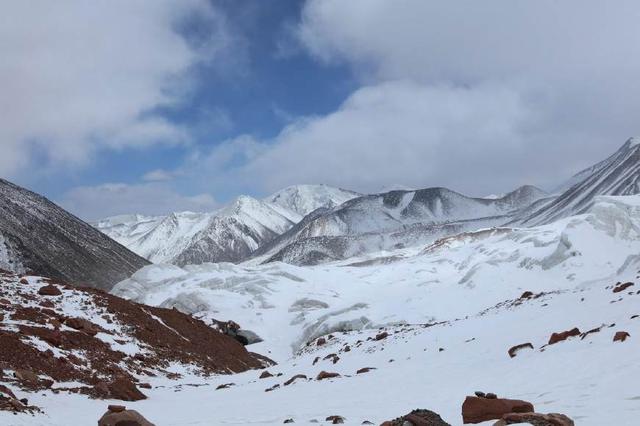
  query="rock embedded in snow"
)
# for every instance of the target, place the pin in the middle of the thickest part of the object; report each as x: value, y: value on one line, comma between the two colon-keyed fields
x: 563, y: 335
x: 621, y: 336
x: 622, y: 287
x: 419, y: 417
x: 537, y: 419
x: 326, y: 375
x: 477, y: 410
x: 513, y: 351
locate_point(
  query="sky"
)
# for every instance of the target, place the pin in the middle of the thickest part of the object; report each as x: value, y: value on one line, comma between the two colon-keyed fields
x: 151, y: 106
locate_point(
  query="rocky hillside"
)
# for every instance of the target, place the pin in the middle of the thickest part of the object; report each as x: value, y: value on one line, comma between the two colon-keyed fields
x: 59, y: 338
x: 38, y: 237
x: 617, y: 175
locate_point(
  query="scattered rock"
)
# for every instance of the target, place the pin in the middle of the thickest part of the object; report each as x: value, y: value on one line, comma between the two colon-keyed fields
x: 7, y: 392
x: 621, y: 336
x: 326, y: 375
x: 526, y: 295
x: 225, y: 386
x: 382, y: 335
x: 513, y: 351
x: 418, y: 418
x: 621, y: 287
x: 265, y: 374
x: 288, y: 421
x: 144, y: 385
x: 274, y: 387
x: 336, y: 420
x: 564, y: 335
x: 365, y: 370
x: 117, y: 415
x: 49, y: 290
x: 476, y: 410
x: 294, y: 378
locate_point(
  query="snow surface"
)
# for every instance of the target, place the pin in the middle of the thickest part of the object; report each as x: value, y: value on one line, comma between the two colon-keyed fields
x: 452, y: 310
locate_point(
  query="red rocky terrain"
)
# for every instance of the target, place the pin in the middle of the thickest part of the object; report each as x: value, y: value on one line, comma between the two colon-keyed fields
x: 53, y: 334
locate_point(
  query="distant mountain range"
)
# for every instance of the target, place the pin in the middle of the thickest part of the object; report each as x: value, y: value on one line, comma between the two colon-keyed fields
x: 38, y: 237
x: 310, y: 224
x: 230, y: 234
x: 303, y: 224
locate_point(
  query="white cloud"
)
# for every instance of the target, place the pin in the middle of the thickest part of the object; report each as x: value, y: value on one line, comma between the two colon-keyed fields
x: 80, y: 76
x: 479, y: 96
x: 110, y: 199
x: 158, y: 175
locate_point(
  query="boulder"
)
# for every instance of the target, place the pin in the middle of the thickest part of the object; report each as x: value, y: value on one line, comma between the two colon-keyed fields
x: 365, y: 370
x: 564, y: 335
x: 326, y: 375
x: 621, y: 336
x: 82, y: 325
x: 381, y: 336
x: 117, y: 415
x: 553, y: 419
x: 477, y: 410
x: 418, y: 418
x: 265, y: 374
x: 49, y: 290
x: 124, y: 389
x: 335, y: 420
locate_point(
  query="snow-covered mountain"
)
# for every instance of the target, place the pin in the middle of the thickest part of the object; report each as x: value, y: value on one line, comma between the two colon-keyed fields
x: 617, y: 175
x: 37, y: 236
x: 303, y: 199
x: 230, y: 234
x: 440, y: 320
x: 391, y: 220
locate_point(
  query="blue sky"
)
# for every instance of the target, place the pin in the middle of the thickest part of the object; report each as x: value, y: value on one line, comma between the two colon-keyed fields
x: 155, y: 106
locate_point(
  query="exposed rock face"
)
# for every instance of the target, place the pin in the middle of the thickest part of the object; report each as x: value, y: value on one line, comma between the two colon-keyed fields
x: 418, y: 418
x: 617, y: 175
x: 564, y: 335
x: 118, y: 415
x: 41, y: 238
x: 477, y: 410
x: 87, y: 329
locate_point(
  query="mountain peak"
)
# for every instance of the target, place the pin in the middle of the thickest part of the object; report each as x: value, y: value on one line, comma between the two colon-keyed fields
x: 303, y: 199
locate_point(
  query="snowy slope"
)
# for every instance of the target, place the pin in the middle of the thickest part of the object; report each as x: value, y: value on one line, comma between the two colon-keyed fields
x: 391, y: 220
x: 617, y: 175
x: 39, y: 237
x: 303, y: 199
x: 451, y: 311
